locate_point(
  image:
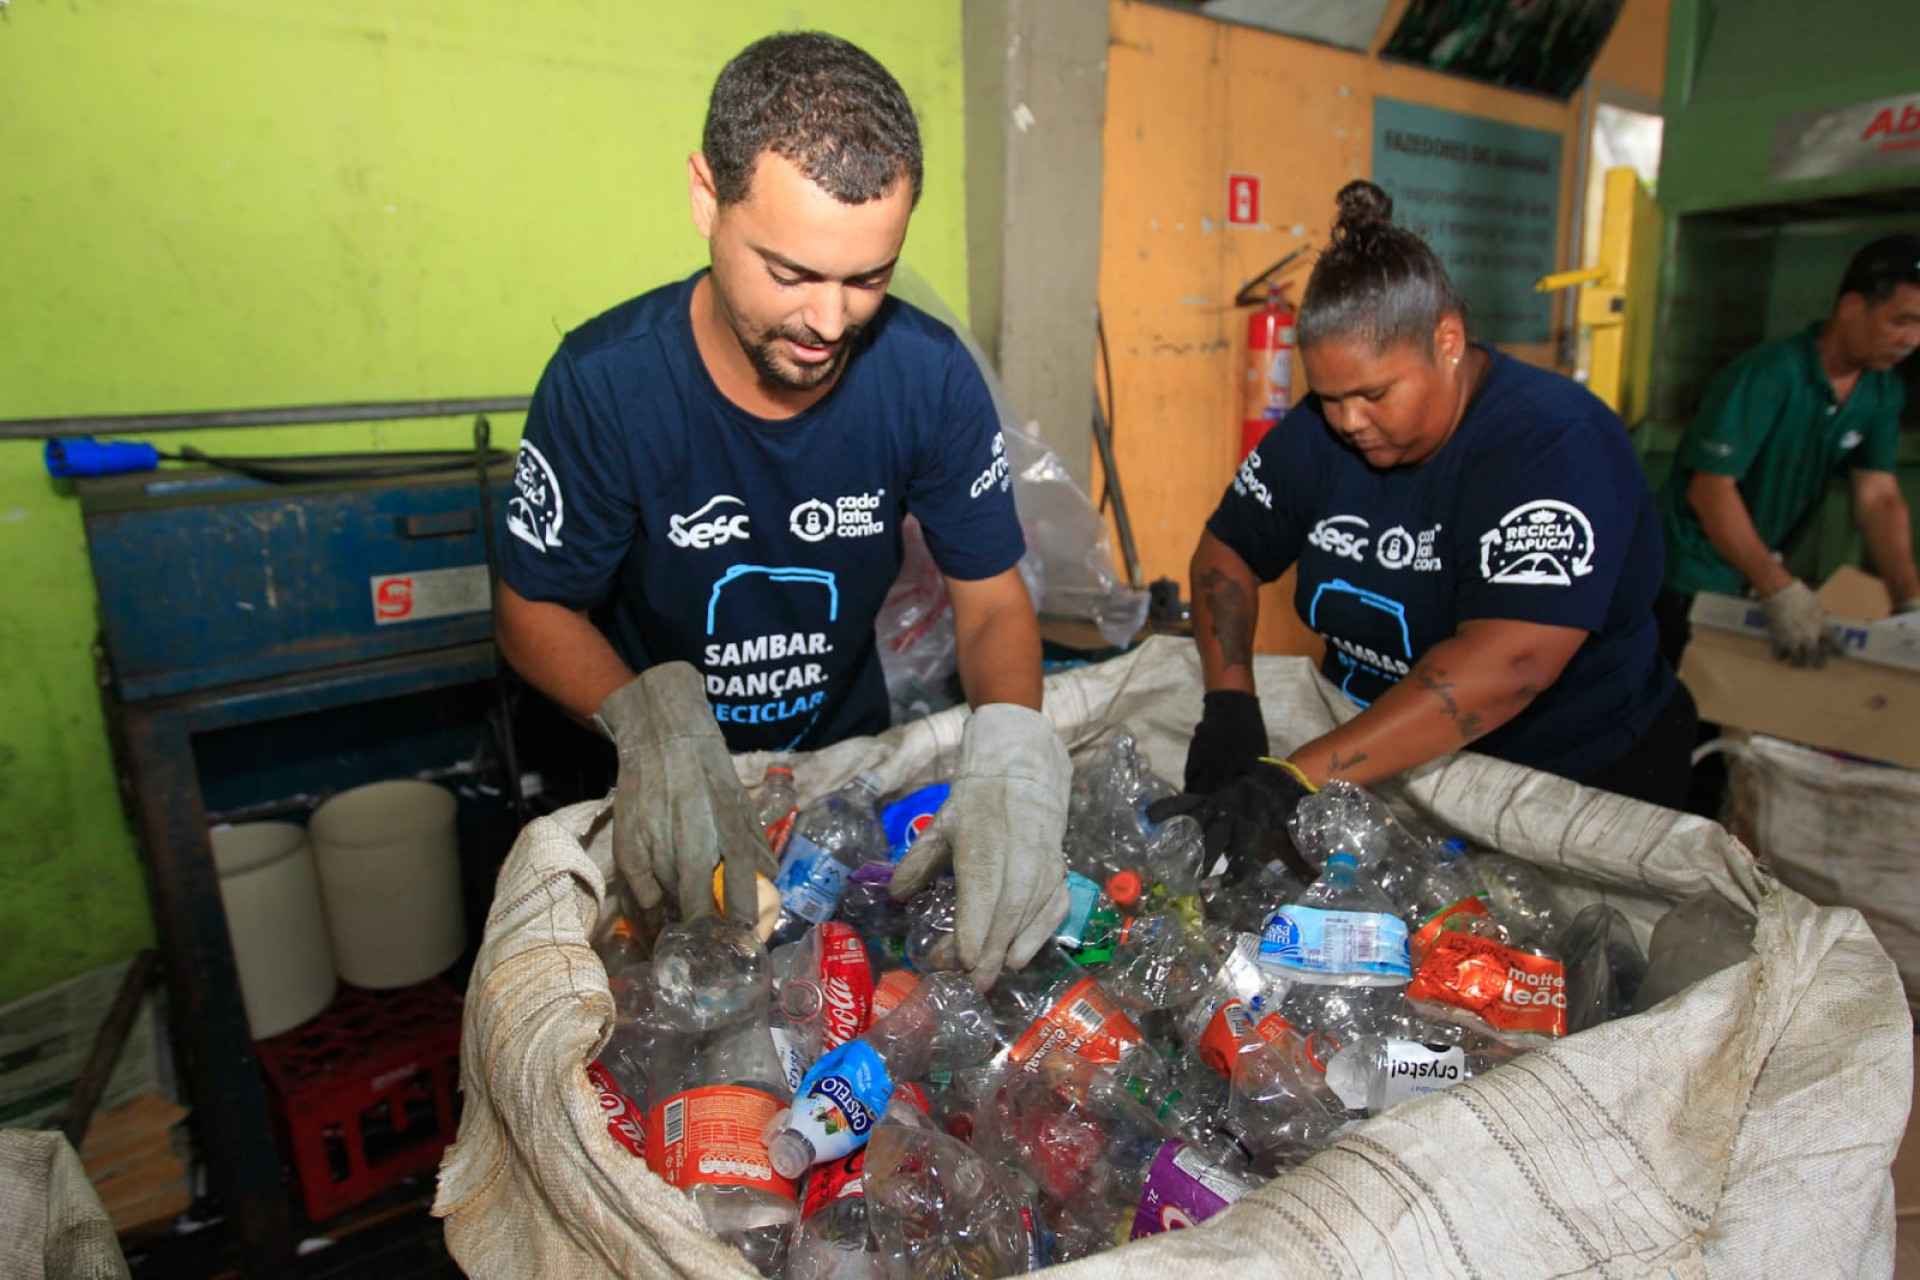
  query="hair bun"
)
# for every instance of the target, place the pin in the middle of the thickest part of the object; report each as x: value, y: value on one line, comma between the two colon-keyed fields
x: 1362, y: 206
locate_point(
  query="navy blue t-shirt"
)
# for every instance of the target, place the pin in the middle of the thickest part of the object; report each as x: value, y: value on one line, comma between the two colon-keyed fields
x: 1536, y: 510
x: 758, y: 550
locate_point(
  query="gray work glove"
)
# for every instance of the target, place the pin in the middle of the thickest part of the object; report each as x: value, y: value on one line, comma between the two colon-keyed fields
x: 679, y: 809
x: 1797, y: 625
x: 1001, y: 828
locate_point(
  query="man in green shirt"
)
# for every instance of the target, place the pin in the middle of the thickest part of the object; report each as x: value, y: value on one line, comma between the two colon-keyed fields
x: 1773, y: 426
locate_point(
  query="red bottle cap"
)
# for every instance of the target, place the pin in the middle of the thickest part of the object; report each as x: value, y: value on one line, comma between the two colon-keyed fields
x: 1124, y: 888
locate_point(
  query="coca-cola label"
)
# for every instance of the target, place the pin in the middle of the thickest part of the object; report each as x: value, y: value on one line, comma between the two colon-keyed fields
x: 625, y: 1122
x: 836, y: 1180
x: 712, y: 1135
x: 1083, y: 1021
x: 1507, y: 989
x: 846, y: 985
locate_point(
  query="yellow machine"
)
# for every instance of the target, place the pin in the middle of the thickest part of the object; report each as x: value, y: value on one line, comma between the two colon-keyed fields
x: 1617, y: 295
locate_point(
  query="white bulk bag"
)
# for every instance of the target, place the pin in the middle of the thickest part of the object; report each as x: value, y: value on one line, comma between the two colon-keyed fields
x: 1743, y: 1127
x: 1843, y: 832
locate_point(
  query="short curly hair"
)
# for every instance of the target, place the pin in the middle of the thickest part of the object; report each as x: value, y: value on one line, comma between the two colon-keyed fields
x: 822, y: 103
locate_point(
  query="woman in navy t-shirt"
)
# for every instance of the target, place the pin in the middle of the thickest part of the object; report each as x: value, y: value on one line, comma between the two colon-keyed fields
x: 1476, y: 544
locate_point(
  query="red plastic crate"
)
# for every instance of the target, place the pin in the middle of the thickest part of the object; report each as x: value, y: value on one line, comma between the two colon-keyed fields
x: 365, y: 1094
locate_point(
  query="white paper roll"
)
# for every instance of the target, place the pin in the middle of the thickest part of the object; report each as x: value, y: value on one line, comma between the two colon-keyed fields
x: 279, y: 931
x: 389, y: 865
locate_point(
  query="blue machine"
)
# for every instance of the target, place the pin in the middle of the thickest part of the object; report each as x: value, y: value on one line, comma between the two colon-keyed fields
x: 255, y: 633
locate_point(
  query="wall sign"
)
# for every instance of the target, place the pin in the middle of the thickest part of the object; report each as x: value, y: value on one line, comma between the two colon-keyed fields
x: 1865, y: 135
x: 1486, y: 196
x: 1243, y: 200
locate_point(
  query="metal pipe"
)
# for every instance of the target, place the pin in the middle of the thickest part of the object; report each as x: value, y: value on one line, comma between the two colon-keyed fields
x: 283, y: 416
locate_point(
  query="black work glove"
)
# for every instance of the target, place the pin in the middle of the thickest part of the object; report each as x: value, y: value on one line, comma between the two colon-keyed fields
x: 1229, y: 740
x: 1246, y: 820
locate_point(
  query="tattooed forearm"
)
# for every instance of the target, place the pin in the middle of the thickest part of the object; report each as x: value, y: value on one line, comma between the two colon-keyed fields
x: 1337, y: 763
x: 1230, y: 608
x: 1434, y: 681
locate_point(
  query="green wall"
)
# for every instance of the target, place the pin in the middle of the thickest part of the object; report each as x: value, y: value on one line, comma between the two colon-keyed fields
x: 219, y: 204
x: 1735, y: 66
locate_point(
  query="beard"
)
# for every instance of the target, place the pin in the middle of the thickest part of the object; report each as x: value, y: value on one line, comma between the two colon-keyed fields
x: 776, y: 370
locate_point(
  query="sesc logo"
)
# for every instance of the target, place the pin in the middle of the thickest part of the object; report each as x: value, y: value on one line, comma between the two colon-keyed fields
x: 1340, y: 536
x: 713, y: 525
x: 1543, y: 543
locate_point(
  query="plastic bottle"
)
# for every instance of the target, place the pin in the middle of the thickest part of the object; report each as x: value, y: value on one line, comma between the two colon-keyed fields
x: 1054, y: 1006
x: 1520, y: 897
x: 1158, y: 962
x: 709, y: 972
x: 1107, y: 825
x: 1693, y: 940
x: 1605, y: 966
x: 832, y: 838
x: 1374, y: 1073
x: 1106, y: 1169
x: 940, y: 1211
x: 825, y: 985
x: 930, y: 920
x: 711, y: 1098
x: 945, y: 1021
x: 620, y: 947
x: 1447, y: 896
x: 1342, y: 932
x: 778, y: 806
x: 835, y: 1240
x: 1278, y: 1108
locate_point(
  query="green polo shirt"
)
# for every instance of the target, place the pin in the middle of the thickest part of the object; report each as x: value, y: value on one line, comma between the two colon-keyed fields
x: 1770, y: 420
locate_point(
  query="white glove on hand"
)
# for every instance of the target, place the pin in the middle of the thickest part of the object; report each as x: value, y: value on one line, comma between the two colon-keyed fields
x: 1002, y: 828
x: 1797, y: 625
x: 679, y: 809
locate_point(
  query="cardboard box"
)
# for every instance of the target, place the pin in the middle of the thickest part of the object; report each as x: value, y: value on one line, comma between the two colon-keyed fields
x: 1865, y: 702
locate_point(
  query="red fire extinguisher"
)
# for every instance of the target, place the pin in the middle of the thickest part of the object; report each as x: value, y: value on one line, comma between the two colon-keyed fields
x: 1266, y: 391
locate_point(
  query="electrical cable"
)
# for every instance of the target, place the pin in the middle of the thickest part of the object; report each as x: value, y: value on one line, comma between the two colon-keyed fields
x: 295, y: 469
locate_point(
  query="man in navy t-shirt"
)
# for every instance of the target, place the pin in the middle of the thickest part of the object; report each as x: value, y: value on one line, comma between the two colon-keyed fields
x: 708, y: 506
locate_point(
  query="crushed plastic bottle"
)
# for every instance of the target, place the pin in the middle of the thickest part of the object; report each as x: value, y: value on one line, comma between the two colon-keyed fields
x: 1694, y: 940
x: 1605, y: 966
x: 1372, y: 1074
x: 939, y: 1211
x: 832, y: 838
x: 1157, y: 962
x: 835, y: 1240
x: 1520, y: 897
x: 1342, y: 932
x: 944, y: 1022
x: 1108, y: 830
x: 930, y: 919
x: 1446, y: 895
x: 709, y: 972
